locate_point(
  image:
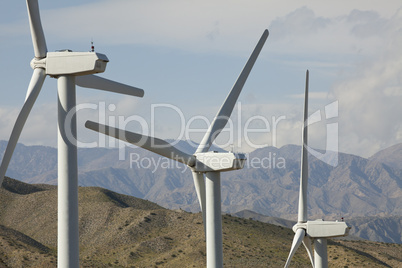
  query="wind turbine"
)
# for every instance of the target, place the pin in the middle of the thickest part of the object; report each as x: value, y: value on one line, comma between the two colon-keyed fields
x: 306, y: 231
x: 70, y: 69
x: 202, y: 162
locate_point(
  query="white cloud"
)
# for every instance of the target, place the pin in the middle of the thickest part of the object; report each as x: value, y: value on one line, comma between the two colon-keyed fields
x: 303, y: 32
x: 370, y: 98
x: 205, y: 25
x: 312, y: 95
x: 181, y: 24
x: 40, y: 127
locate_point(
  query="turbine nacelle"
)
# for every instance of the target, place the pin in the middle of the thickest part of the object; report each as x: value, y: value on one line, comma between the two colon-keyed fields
x: 67, y: 62
x: 216, y: 161
x: 323, y: 229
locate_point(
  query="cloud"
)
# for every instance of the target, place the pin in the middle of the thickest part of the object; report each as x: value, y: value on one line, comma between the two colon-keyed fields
x: 370, y: 98
x: 298, y: 24
x: 182, y: 24
x: 303, y: 32
x: 224, y: 26
x: 366, y: 24
x: 40, y: 127
x: 311, y: 95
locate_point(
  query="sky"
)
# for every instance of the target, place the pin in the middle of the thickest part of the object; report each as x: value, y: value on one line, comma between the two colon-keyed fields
x: 186, y: 55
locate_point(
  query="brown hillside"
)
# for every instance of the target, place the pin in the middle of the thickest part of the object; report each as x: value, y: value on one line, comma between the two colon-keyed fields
x: 123, y: 231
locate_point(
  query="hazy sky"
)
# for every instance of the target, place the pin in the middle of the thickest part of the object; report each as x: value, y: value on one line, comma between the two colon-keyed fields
x: 186, y: 55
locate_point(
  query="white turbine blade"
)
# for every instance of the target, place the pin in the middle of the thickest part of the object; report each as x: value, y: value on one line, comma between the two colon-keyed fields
x: 38, y: 37
x: 199, y: 184
x: 152, y: 144
x: 297, y: 240
x: 225, y: 111
x: 302, y: 213
x: 307, y: 245
x: 96, y: 82
x: 38, y: 77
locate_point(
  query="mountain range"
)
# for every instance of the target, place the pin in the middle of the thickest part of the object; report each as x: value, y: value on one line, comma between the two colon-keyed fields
x: 361, y: 190
x: 386, y: 229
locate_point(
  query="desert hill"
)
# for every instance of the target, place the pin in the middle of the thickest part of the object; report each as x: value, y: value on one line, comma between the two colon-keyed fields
x: 123, y: 231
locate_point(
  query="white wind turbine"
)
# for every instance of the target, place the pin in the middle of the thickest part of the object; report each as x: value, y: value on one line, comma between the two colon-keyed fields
x: 70, y: 69
x: 201, y: 162
x: 319, y: 230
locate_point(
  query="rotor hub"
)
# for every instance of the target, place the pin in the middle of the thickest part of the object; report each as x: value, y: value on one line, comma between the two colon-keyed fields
x: 38, y: 63
x: 299, y: 225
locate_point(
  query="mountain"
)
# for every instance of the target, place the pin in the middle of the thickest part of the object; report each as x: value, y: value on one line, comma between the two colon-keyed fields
x: 391, y: 156
x: 382, y: 229
x: 30, y: 161
x: 374, y: 228
x: 268, y: 185
x: 123, y: 231
x: 248, y: 214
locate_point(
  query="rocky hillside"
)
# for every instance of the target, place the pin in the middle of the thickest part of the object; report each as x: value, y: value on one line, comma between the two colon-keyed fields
x: 123, y: 231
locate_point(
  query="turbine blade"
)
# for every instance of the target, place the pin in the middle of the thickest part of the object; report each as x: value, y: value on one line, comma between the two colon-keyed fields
x: 307, y: 245
x: 152, y: 144
x: 38, y: 77
x: 38, y: 37
x: 302, y: 213
x: 199, y: 184
x: 225, y: 111
x: 297, y: 240
x: 96, y: 82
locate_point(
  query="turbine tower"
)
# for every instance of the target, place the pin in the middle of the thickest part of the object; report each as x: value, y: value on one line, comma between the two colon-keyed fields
x: 319, y: 230
x: 202, y: 162
x: 70, y: 69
